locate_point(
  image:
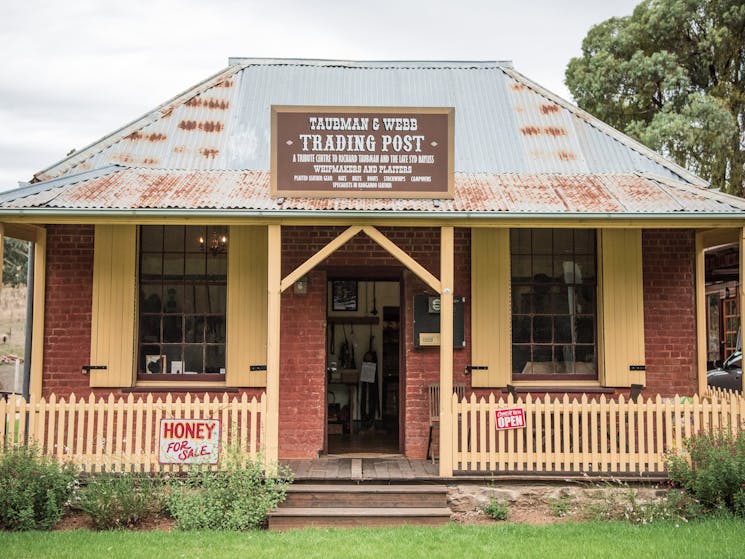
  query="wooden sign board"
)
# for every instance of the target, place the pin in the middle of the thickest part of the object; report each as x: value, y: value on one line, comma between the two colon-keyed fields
x: 189, y: 441
x: 362, y: 152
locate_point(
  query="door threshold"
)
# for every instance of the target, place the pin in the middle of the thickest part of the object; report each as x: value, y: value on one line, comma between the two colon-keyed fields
x: 388, y: 455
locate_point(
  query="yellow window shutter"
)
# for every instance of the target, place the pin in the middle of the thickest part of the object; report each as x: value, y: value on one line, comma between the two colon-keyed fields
x: 247, y: 307
x: 491, y: 330
x: 622, y: 308
x: 113, y: 313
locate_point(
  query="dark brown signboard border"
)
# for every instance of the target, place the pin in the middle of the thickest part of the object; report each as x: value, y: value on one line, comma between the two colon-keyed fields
x: 404, y: 188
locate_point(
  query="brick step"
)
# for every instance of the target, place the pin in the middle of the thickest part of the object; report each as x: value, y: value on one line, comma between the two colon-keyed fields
x: 287, y: 518
x: 366, y: 496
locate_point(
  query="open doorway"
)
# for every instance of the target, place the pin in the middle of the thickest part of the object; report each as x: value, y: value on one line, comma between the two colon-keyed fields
x: 363, y: 363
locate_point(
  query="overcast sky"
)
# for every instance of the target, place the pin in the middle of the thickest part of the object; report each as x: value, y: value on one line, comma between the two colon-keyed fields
x: 74, y: 71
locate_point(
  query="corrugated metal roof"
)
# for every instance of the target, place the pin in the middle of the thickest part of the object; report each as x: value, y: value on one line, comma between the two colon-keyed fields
x: 504, y: 123
x: 123, y: 188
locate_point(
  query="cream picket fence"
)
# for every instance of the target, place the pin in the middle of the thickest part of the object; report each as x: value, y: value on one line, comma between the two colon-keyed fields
x: 585, y: 436
x: 122, y: 434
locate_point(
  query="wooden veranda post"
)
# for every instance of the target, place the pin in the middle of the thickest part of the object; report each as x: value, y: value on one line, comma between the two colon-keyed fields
x: 37, y: 318
x: 446, y: 351
x: 271, y: 442
x: 701, y: 333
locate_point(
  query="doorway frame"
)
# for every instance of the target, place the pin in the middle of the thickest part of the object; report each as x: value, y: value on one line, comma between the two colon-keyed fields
x: 443, y: 286
x: 369, y: 275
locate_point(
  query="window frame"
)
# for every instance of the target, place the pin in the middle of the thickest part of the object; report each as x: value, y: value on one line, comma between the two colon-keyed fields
x: 205, y: 280
x: 552, y: 316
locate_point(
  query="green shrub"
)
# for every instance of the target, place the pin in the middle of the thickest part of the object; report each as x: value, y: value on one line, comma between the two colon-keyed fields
x: 33, y: 489
x: 120, y: 500
x: 739, y: 502
x: 236, y: 497
x: 496, y: 509
x: 713, y: 471
x: 679, y: 504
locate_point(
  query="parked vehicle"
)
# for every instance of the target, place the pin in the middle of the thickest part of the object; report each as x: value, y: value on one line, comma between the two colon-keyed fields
x: 729, y: 375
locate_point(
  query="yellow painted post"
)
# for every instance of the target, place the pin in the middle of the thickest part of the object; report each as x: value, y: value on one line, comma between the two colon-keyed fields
x: 701, y: 337
x: 274, y: 280
x: 446, y: 351
x: 37, y: 319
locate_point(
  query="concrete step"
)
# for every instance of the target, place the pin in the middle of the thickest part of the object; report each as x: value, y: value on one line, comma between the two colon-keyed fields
x: 287, y: 518
x: 366, y: 496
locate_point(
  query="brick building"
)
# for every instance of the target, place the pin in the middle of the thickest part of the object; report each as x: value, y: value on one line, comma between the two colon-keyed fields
x: 514, y: 243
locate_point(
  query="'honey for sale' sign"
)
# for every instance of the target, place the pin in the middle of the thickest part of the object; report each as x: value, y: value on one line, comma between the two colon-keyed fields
x: 189, y: 441
x: 512, y: 418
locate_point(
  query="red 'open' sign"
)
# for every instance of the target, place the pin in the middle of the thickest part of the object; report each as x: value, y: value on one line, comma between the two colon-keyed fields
x: 512, y: 418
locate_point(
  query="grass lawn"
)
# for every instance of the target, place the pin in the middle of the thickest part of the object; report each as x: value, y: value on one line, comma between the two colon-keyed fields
x: 710, y: 538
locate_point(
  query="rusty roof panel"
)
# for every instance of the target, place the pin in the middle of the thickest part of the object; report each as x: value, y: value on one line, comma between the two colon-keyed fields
x: 503, y: 122
x: 546, y: 132
x: 635, y: 195
x: 122, y: 188
x: 186, y: 132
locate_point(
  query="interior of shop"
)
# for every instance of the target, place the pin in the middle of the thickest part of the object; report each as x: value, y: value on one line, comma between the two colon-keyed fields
x: 363, y: 366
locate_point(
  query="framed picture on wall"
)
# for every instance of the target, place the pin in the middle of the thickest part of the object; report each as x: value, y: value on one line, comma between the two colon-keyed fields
x: 344, y: 295
x: 155, y: 364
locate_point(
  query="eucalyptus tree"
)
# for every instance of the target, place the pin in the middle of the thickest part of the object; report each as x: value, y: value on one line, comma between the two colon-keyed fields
x: 672, y: 75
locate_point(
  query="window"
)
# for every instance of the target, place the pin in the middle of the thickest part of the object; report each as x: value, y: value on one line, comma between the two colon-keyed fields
x: 182, y: 305
x: 554, y: 304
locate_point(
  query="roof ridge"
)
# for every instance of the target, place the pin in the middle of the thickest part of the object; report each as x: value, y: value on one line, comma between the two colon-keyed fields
x: 245, y: 62
x: 608, y: 130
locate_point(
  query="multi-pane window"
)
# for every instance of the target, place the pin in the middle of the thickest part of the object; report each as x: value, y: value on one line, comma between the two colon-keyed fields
x: 183, y: 291
x: 554, y: 303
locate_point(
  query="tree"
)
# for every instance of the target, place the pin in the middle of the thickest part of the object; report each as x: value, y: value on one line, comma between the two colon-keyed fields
x: 672, y: 75
x: 15, y: 261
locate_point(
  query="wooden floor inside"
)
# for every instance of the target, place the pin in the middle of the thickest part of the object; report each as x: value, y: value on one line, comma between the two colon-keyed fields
x: 365, y: 442
x: 361, y: 468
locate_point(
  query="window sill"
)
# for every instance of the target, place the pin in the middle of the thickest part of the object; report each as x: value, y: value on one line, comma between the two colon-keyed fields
x: 185, y: 383
x: 143, y: 378
x: 526, y: 387
x: 176, y: 386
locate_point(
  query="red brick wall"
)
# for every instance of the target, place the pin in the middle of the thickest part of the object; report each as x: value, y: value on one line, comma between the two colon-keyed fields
x: 299, y: 243
x: 669, y: 311
x: 302, y: 382
x: 423, y: 365
x: 67, y: 308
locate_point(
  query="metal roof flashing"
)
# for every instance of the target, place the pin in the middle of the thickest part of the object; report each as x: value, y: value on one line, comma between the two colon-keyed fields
x: 382, y: 215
